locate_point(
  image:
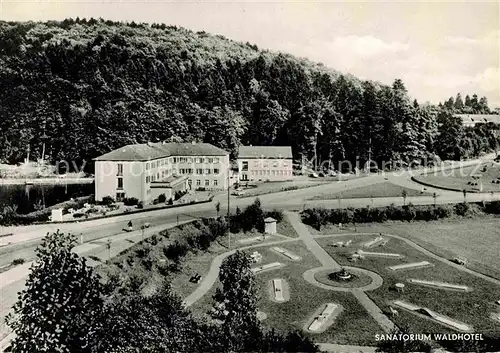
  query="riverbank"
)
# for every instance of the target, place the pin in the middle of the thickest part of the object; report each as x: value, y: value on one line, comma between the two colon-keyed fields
x: 47, y: 181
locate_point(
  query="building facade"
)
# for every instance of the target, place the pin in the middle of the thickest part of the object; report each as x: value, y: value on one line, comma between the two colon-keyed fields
x: 145, y: 171
x: 471, y: 120
x: 265, y: 163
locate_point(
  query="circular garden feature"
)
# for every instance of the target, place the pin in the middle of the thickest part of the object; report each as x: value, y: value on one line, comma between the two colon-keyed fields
x: 345, y: 277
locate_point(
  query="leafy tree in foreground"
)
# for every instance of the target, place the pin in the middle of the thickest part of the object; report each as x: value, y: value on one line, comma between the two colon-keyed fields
x: 236, y: 305
x: 154, y: 323
x: 60, y: 309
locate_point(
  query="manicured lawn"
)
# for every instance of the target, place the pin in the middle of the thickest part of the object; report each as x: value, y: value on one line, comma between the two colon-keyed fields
x: 461, y: 178
x: 478, y: 240
x: 475, y: 239
x: 472, y: 308
x: 273, y: 187
x: 285, y: 228
x: 353, y: 326
x: 385, y: 189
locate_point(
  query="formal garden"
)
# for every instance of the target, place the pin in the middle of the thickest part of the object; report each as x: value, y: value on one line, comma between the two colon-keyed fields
x: 384, y: 189
x: 289, y: 287
x: 478, y: 178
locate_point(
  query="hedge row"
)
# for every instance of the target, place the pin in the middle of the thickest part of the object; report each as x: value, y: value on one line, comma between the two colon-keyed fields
x: 252, y: 217
x: 318, y: 217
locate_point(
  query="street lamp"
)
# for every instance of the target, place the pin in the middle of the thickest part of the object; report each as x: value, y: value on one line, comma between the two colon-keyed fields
x: 228, y: 206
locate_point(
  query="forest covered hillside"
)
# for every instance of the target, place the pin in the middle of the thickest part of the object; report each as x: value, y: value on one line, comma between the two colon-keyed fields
x: 84, y: 87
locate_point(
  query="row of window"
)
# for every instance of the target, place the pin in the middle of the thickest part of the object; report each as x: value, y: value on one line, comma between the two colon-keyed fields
x: 161, y: 162
x: 266, y: 164
x: 272, y: 172
x: 207, y: 182
x: 199, y: 171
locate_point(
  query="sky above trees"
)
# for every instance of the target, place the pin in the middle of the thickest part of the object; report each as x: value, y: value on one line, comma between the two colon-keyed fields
x: 437, y: 49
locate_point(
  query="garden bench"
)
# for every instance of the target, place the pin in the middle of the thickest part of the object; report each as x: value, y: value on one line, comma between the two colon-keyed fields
x: 195, y: 279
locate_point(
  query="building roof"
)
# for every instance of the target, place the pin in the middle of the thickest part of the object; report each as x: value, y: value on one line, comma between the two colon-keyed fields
x: 151, y: 151
x: 479, y: 118
x: 269, y: 220
x: 282, y: 152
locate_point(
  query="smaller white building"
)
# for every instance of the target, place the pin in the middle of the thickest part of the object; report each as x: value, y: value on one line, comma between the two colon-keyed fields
x: 270, y: 225
x: 265, y: 163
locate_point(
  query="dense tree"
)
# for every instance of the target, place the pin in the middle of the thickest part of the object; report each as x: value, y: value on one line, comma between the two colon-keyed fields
x: 236, y: 304
x: 76, y: 89
x: 61, y: 308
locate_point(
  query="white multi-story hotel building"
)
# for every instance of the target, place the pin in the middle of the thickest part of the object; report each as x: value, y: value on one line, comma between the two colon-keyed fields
x: 263, y: 163
x: 145, y: 171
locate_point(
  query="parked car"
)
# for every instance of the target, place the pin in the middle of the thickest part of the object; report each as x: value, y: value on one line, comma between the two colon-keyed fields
x: 313, y: 175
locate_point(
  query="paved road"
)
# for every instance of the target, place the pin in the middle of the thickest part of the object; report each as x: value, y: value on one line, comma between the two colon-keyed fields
x: 25, y: 239
x: 288, y: 200
x: 12, y: 281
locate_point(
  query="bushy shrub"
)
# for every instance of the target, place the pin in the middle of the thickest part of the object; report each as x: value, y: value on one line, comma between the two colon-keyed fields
x: 130, y: 201
x: 276, y: 214
x: 147, y: 264
x: 461, y: 209
x: 140, y: 205
x: 107, y: 200
x: 16, y: 262
x: 175, y: 251
x: 162, y: 198
x: 142, y: 252
x: 78, y: 215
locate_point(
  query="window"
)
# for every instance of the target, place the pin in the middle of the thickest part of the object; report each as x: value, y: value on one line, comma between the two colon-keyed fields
x: 285, y: 164
x: 190, y: 182
x: 199, y: 171
x: 120, y: 169
x: 207, y: 171
x: 147, y: 179
x: 207, y: 182
x: 190, y: 160
x: 275, y: 164
x: 120, y: 196
x: 210, y: 160
x: 147, y: 166
x: 120, y: 183
x: 244, y: 166
x: 198, y: 182
x: 163, y: 174
x: 199, y: 160
x: 175, y: 159
x: 216, y: 171
x: 215, y: 182
x: 157, y: 176
x: 266, y: 164
x: 216, y: 160
x: 205, y: 160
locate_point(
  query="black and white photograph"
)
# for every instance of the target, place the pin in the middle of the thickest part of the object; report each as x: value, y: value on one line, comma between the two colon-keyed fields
x: 249, y: 176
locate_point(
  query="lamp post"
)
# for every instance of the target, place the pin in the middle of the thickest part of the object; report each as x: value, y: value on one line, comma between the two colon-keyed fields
x: 228, y: 206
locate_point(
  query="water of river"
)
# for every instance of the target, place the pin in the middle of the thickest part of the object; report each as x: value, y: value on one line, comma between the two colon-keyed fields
x: 30, y: 197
